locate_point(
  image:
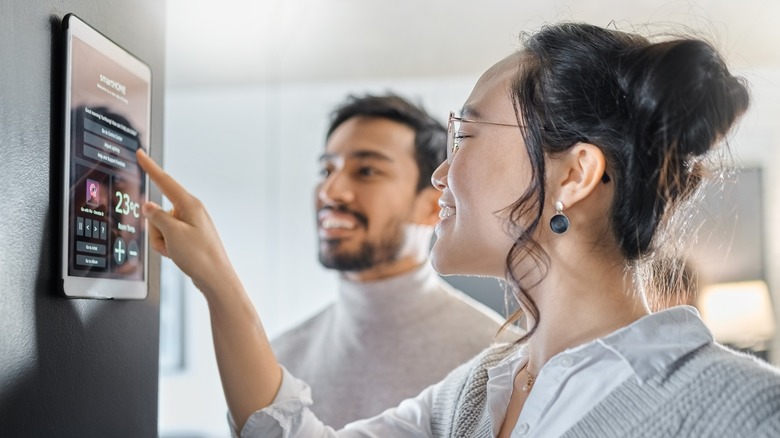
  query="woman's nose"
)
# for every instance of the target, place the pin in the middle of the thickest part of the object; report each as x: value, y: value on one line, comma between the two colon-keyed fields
x: 439, y: 177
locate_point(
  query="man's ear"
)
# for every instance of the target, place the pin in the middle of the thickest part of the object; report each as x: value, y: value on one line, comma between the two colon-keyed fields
x: 426, y: 206
x: 576, y: 173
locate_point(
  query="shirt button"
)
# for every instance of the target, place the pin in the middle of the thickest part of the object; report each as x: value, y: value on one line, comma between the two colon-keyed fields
x: 566, y: 362
x: 522, y: 428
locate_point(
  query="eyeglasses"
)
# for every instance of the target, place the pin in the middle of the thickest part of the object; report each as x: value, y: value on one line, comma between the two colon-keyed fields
x: 453, y: 128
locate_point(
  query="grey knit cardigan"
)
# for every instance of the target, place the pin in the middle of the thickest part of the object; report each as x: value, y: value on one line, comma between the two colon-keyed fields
x: 710, y: 392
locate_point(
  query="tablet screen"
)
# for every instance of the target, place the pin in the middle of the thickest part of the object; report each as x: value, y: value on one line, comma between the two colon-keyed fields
x: 109, y: 112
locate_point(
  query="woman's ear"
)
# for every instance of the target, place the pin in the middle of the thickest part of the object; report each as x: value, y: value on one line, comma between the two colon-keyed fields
x: 576, y: 173
x: 426, y: 206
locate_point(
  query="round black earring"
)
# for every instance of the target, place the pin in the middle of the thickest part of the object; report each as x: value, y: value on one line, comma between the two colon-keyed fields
x: 559, y: 223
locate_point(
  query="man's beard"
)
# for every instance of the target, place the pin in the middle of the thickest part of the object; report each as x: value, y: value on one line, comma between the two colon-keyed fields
x: 369, y: 255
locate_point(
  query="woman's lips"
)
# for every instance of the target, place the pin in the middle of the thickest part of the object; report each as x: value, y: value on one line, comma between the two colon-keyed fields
x: 446, y: 209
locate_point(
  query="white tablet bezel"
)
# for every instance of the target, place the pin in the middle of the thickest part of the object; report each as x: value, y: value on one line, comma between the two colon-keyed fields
x: 87, y: 287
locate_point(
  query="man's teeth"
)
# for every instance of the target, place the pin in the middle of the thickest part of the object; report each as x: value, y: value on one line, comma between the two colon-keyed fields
x: 332, y: 223
x: 446, y: 212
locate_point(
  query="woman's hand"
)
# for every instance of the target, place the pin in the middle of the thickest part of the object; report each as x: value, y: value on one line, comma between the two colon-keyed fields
x: 186, y: 234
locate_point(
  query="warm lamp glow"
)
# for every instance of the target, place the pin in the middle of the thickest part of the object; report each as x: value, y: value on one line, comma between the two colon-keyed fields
x: 738, y: 313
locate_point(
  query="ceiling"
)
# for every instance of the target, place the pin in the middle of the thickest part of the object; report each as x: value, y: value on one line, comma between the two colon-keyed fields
x: 214, y: 43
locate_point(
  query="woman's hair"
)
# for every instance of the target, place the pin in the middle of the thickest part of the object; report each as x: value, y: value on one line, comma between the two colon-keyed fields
x: 670, y: 281
x: 653, y: 108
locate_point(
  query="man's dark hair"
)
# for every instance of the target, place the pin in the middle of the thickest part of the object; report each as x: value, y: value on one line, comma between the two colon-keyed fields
x: 430, y: 136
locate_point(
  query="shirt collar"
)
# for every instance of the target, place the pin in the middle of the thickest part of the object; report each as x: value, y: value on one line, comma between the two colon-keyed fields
x: 396, y: 299
x: 654, y: 342
x: 649, y: 345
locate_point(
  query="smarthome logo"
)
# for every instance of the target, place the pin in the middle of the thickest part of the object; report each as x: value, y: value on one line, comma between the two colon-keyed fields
x: 114, y: 84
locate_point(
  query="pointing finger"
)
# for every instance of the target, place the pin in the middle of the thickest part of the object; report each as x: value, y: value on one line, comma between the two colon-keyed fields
x: 168, y: 186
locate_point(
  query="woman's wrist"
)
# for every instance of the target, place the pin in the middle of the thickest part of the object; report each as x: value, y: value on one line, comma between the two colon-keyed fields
x: 217, y: 290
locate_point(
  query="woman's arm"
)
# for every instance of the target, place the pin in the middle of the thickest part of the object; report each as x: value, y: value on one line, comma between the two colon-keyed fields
x: 251, y: 376
x: 249, y: 371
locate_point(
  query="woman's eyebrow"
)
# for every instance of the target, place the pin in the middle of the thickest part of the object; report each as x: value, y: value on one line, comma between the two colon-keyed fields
x: 469, y: 112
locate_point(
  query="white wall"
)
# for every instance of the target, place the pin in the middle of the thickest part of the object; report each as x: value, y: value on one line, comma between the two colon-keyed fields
x: 251, y: 153
x: 757, y: 143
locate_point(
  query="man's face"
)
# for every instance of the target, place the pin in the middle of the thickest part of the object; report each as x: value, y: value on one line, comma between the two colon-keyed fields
x: 367, y: 196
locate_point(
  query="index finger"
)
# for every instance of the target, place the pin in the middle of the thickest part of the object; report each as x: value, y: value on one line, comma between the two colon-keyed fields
x: 168, y: 186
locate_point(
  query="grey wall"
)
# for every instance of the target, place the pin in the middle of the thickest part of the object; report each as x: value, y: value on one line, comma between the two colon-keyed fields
x: 67, y: 367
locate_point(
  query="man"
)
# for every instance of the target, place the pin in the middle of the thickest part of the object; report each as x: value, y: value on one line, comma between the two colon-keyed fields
x: 396, y: 327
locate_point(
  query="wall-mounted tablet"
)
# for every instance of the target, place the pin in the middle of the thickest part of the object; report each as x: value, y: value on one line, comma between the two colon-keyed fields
x: 107, y: 119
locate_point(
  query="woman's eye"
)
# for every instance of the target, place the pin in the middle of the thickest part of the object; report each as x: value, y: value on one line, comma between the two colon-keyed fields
x: 324, y: 172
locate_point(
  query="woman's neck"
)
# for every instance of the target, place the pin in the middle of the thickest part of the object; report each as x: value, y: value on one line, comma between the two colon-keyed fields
x: 579, y: 302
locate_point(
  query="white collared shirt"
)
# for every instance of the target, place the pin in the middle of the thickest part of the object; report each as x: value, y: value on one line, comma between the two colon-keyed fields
x: 582, y: 376
x: 566, y: 388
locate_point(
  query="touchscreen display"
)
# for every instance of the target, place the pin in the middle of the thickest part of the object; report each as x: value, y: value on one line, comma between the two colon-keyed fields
x: 109, y: 121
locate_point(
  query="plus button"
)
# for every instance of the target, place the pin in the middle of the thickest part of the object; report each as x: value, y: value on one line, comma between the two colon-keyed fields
x: 119, y: 251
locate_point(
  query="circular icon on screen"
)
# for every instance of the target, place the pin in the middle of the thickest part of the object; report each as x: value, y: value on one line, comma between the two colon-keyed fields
x: 132, y: 250
x: 120, y: 251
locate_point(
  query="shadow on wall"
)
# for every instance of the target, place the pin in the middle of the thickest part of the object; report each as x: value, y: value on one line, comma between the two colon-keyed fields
x: 91, y: 374
x: 85, y: 379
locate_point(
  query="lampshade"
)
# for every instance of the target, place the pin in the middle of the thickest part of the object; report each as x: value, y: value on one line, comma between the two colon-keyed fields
x: 740, y: 314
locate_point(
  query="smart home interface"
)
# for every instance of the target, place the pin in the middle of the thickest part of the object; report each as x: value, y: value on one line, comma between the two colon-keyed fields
x: 108, y: 120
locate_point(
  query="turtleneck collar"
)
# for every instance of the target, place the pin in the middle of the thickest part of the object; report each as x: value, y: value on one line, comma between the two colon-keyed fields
x: 394, y: 300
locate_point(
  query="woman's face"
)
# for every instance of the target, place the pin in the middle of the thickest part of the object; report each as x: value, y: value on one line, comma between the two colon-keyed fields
x: 487, y: 174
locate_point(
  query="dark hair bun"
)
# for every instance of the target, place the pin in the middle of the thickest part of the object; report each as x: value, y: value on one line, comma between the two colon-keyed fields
x: 683, y: 95
x: 680, y: 101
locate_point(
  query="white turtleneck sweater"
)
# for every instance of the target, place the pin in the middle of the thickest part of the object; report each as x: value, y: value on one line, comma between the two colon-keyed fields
x: 384, y: 341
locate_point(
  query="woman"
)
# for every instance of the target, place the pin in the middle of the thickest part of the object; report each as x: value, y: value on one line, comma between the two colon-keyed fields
x: 565, y: 164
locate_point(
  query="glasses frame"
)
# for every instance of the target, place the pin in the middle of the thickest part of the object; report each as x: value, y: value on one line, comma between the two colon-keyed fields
x: 453, y: 142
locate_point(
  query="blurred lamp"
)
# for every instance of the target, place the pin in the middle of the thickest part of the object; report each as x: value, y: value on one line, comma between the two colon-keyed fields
x: 739, y: 314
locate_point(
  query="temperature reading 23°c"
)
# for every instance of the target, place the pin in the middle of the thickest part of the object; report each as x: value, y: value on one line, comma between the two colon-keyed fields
x: 125, y: 205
